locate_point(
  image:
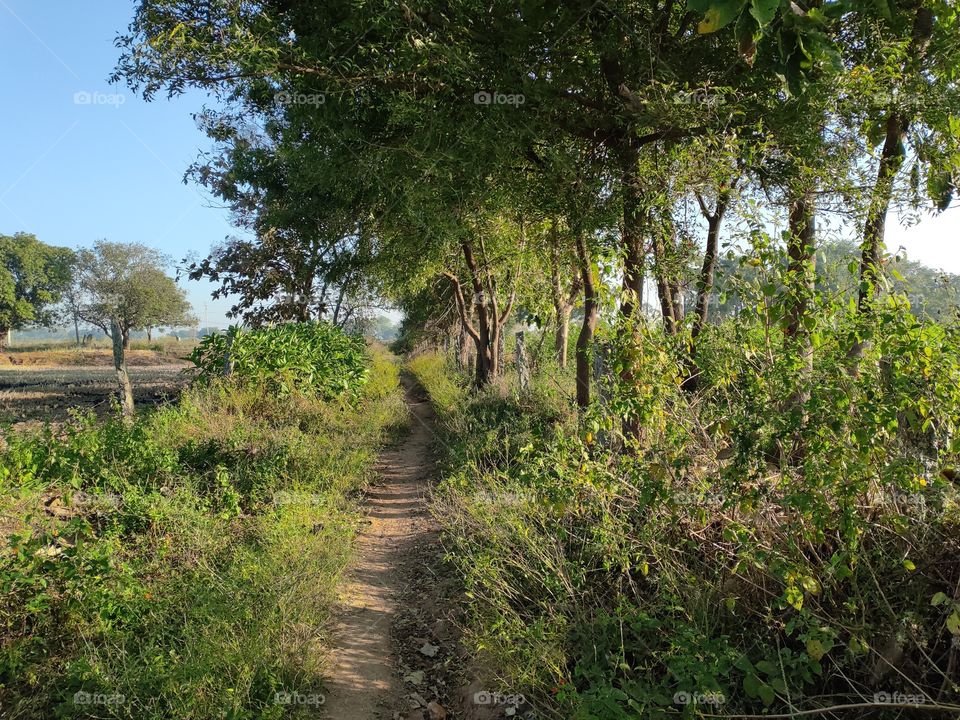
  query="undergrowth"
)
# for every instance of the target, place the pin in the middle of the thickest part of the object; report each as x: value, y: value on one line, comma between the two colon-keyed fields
x: 738, y: 557
x: 183, y: 566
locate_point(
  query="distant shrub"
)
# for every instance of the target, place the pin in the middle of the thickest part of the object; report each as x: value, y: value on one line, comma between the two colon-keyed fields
x: 305, y: 358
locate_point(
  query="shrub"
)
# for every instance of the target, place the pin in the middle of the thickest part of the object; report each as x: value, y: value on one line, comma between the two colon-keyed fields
x: 778, y: 558
x: 308, y: 358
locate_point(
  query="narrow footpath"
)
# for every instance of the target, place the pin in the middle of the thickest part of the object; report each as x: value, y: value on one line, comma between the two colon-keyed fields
x: 366, y: 677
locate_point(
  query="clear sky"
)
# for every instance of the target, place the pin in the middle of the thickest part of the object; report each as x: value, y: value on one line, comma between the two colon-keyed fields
x: 73, y: 172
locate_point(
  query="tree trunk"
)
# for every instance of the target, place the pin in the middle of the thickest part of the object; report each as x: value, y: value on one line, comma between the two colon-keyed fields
x: 585, y: 340
x: 631, y: 234
x: 4, y: 337
x: 668, y: 288
x: 120, y: 364
x: 149, y: 334
x: 486, y: 330
x: 635, y: 221
x: 705, y: 283
x: 125, y: 335
x: 501, y: 350
x: 486, y: 333
x: 523, y: 364
x: 891, y: 159
x: 801, y: 252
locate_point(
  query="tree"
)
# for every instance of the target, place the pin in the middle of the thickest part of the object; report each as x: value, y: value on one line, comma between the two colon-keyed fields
x: 33, y: 277
x: 905, y: 97
x: 126, y: 283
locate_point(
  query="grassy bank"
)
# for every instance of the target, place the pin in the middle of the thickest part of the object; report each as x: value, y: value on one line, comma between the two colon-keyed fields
x: 690, y: 574
x: 183, y: 567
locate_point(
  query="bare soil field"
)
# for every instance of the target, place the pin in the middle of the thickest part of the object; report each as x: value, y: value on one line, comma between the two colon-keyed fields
x: 40, y: 386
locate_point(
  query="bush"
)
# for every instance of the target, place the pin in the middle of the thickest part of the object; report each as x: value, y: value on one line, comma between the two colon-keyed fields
x: 774, y: 557
x: 308, y: 358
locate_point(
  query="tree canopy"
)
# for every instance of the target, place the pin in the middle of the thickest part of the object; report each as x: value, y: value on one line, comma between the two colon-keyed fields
x: 127, y: 283
x: 33, y: 277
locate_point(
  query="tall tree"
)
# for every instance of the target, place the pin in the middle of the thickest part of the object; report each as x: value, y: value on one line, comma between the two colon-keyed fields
x: 33, y: 278
x: 905, y: 97
x: 126, y: 285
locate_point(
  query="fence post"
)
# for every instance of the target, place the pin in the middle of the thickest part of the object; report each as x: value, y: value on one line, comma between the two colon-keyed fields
x: 523, y: 363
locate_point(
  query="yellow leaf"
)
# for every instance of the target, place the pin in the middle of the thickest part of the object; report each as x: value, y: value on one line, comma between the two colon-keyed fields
x: 710, y: 22
x: 815, y: 649
x: 858, y: 646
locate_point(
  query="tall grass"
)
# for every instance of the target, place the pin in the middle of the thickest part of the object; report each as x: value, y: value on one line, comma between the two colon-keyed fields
x: 183, y: 567
x: 670, y: 578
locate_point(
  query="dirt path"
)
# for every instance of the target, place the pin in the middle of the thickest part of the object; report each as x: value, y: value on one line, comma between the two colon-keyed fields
x: 363, y: 682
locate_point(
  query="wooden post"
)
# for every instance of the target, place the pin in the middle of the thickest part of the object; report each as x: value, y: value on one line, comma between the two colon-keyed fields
x: 523, y: 363
x: 603, y: 379
x: 501, y: 351
x: 120, y: 363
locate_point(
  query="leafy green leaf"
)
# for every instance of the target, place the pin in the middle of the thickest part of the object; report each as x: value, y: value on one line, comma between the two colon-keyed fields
x: 720, y: 14
x: 764, y: 10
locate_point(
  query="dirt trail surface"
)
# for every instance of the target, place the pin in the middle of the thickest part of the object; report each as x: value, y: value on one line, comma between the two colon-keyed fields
x: 364, y: 682
x: 396, y: 651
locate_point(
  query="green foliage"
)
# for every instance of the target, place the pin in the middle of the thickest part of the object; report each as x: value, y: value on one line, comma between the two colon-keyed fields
x: 33, y: 276
x: 309, y: 358
x: 611, y: 577
x: 128, y: 282
x: 179, y: 567
x: 431, y: 371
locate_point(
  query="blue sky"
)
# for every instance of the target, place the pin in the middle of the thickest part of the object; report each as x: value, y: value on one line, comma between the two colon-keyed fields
x: 72, y: 173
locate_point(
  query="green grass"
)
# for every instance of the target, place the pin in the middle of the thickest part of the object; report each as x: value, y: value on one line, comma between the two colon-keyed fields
x: 191, y: 571
x: 609, y: 583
